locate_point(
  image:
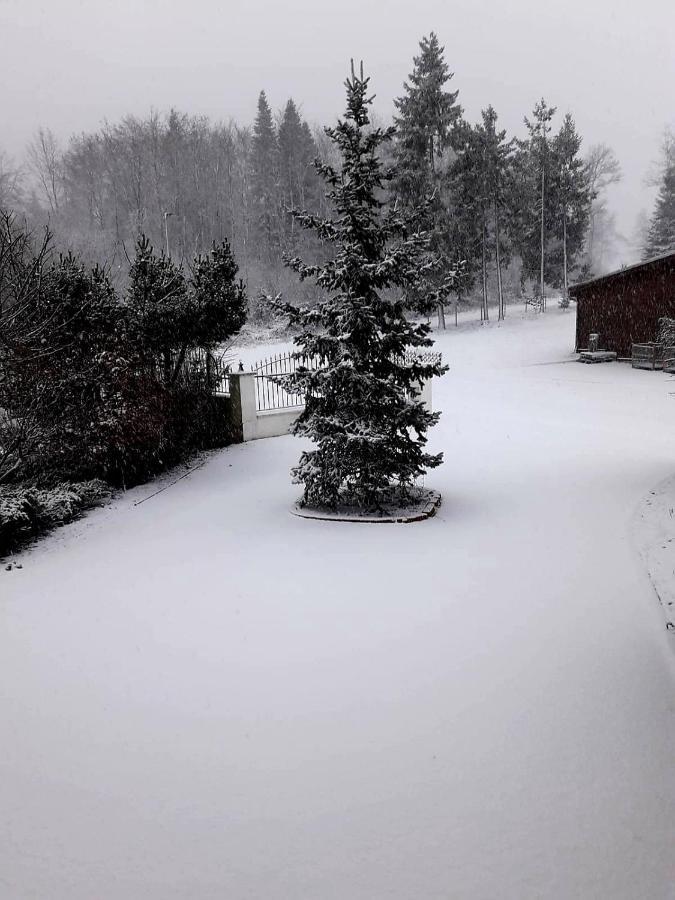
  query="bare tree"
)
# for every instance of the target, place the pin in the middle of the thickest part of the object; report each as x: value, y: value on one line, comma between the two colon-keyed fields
x: 11, y: 182
x: 45, y: 162
x: 602, y: 170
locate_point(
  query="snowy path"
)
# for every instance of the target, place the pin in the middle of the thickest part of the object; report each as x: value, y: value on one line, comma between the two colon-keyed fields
x: 205, y: 697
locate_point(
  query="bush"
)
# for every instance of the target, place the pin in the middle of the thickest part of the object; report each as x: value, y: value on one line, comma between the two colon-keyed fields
x: 91, y: 384
x: 28, y: 511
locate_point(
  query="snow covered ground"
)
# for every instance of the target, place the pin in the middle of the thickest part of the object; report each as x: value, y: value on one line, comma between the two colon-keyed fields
x: 205, y: 697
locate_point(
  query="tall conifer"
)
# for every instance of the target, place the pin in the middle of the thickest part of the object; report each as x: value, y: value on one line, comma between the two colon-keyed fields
x: 369, y: 432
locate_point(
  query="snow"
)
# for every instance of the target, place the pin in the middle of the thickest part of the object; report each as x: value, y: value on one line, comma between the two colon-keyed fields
x: 205, y: 696
x: 654, y: 536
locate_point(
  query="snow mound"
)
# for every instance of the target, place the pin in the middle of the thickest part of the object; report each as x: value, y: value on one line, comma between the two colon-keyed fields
x: 654, y: 536
x: 417, y: 504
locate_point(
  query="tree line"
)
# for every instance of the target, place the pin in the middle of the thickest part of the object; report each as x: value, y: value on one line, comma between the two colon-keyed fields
x: 521, y: 212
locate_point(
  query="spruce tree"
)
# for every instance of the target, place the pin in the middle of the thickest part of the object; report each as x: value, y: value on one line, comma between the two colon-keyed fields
x: 217, y: 298
x: 496, y: 162
x: 533, y: 218
x: 571, y: 198
x: 368, y: 430
x: 427, y: 117
x: 157, y: 301
x: 264, y: 179
x: 297, y: 175
x: 427, y: 124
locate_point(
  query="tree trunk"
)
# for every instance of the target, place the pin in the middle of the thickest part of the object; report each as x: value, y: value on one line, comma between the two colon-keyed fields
x: 500, y: 290
x: 565, y: 253
x: 541, y: 271
x: 484, y: 312
x: 441, y: 315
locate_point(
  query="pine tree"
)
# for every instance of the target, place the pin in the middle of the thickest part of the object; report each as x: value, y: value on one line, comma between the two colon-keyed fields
x: 217, y: 298
x: 661, y: 234
x: 427, y: 117
x: 369, y: 433
x: 264, y: 179
x: 427, y: 124
x: 297, y: 175
x: 157, y: 301
x: 497, y: 153
x: 536, y: 156
x: 466, y: 188
x: 571, y: 197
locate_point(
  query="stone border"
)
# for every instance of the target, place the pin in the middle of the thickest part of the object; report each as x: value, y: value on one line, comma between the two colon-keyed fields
x: 425, y: 509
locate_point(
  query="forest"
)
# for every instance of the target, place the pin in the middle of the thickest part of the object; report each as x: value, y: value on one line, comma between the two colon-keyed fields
x: 511, y: 215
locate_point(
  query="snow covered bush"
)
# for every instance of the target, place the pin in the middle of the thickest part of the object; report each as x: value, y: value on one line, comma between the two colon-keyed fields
x: 26, y: 512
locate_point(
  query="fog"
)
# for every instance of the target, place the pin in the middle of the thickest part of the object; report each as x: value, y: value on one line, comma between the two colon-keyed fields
x: 69, y: 64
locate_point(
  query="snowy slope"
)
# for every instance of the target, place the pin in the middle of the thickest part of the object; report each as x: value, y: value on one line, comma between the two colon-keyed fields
x: 206, y: 697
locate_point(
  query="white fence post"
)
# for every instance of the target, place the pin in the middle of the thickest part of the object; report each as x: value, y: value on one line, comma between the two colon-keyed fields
x: 425, y: 395
x: 242, y: 393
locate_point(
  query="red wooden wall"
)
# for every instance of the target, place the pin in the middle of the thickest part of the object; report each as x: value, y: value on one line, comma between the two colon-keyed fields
x: 624, y: 308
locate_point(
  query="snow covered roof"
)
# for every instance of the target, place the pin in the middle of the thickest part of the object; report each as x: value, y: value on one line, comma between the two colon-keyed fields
x: 621, y: 271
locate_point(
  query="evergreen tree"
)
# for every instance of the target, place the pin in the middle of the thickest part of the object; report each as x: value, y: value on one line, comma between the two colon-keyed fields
x: 571, y: 198
x: 496, y: 161
x: 427, y: 125
x: 218, y: 299
x: 531, y: 217
x: 661, y: 234
x: 297, y: 175
x: 466, y: 188
x: 157, y: 301
x: 369, y: 432
x: 264, y: 179
x: 427, y: 117
x: 170, y: 315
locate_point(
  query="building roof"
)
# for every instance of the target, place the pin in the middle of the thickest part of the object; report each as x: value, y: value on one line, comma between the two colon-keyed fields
x: 622, y: 271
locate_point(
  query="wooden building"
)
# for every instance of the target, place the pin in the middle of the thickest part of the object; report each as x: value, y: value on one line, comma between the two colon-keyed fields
x: 624, y: 307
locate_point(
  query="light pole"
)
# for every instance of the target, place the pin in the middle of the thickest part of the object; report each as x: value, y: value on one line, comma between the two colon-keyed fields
x: 166, y: 231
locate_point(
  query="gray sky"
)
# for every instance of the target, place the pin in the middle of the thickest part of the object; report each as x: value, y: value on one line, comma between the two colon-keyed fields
x: 68, y: 64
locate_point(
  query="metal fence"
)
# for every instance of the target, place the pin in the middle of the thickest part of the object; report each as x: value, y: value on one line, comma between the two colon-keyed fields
x: 270, y: 372
x: 203, y: 370
x: 269, y: 375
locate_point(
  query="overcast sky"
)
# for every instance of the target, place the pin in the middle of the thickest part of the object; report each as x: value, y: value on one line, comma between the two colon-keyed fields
x: 69, y: 64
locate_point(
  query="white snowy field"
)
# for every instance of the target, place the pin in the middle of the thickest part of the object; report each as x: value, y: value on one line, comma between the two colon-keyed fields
x: 205, y: 697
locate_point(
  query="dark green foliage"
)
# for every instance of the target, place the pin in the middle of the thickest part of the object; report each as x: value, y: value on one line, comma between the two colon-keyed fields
x: 428, y: 117
x: 429, y: 130
x: 170, y: 315
x: 264, y: 180
x: 218, y: 298
x: 369, y: 433
x: 532, y: 211
x: 157, y: 300
x: 93, y: 387
x: 299, y: 184
x: 570, y: 202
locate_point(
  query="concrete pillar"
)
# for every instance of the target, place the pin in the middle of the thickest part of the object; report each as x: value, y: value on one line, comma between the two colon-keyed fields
x: 242, y: 394
x: 425, y: 395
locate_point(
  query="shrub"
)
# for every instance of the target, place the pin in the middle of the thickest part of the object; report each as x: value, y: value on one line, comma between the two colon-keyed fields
x: 28, y: 511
